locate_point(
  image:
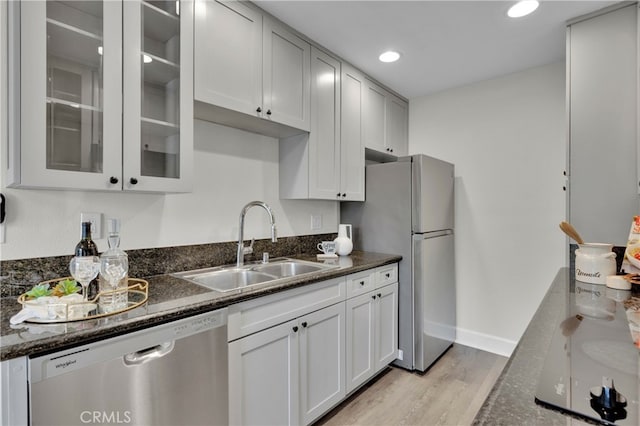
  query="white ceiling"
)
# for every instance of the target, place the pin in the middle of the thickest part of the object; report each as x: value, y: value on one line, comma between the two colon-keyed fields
x: 443, y: 44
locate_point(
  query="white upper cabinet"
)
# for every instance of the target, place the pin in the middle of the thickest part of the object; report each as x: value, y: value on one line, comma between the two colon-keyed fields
x: 158, y: 96
x: 310, y: 163
x: 385, y: 121
x: 397, y: 126
x: 286, y: 77
x: 66, y: 73
x: 324, y: 139
x: 66, y: 77
x: 327, y: 163
x: 250, y: 72
x: 228, y: 59
x: 602, y: 59
x: 351, y: 142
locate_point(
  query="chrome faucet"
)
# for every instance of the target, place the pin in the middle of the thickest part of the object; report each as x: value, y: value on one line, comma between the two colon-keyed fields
x: 242, y: 250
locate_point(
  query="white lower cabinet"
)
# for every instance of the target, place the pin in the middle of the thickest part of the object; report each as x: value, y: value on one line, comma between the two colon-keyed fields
x: 295, y: 355
x: 288, y: 374
x: 14, y: 392
x: 263, y: 379
x: 386, y: 325
x: 372, y: 334
x: 322, y: 361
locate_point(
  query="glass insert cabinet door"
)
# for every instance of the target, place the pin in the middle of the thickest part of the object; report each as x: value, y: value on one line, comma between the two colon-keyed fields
x: 105, y: 94
x: 70, y: 93
x: 158, y: 111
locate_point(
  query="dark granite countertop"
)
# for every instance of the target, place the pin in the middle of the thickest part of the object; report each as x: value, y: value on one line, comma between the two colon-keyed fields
x: 170, y: 298
x: 512, y: 399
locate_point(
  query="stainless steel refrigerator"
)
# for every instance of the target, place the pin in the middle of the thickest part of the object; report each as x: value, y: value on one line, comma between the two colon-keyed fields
x: 408, y: 210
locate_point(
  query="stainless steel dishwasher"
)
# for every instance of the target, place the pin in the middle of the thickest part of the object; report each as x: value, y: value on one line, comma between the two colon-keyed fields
x: 172, y: 374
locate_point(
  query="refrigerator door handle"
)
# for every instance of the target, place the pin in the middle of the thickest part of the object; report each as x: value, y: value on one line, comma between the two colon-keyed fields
x: 434, y: 234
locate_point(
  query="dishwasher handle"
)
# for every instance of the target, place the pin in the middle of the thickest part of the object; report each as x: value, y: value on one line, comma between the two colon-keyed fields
x: 149, y: 354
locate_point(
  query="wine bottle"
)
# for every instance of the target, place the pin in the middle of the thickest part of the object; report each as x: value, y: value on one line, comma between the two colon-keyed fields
x: 87, y: 247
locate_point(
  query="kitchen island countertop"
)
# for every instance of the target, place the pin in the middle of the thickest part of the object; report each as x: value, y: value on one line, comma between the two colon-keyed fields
x: 170, y: 298
x: 512, y: 398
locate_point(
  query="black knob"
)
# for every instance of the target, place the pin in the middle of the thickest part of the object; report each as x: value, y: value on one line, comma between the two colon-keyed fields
x: 133, y: 181
x: 113, y: 180
x: 564, y: 172
x: 259, y: 109
x: 391, y: 150
x: 387, y: 149
x: 344, y: 194
x: 295, y: 328
x: 564, y: 188
x: 304, y: 324
x: 268, y: 112
x: 379, y: 294
x: 387, y: 275
x: 373, y: 297
x: 338, y: 194
x: 361, y: 282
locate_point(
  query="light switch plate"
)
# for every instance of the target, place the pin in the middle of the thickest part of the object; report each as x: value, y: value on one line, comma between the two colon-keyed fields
x: 96, y: 223
x: 316, y: 222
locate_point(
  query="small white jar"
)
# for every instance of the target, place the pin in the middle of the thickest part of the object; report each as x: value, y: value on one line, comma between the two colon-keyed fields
x: 594, y: 262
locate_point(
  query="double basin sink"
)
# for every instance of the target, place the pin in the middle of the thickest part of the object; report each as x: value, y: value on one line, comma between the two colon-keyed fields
x: 229, y: 278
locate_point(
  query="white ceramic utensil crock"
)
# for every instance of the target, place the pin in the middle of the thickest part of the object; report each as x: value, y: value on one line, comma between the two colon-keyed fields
x: 594, y: 262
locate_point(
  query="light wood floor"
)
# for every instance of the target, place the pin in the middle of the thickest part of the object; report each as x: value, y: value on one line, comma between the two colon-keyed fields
x: 450, y: 393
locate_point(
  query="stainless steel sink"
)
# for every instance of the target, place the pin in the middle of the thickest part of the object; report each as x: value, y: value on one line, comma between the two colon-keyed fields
x: 226, y: 279
x: 229, y: 278
x: 288, y: 268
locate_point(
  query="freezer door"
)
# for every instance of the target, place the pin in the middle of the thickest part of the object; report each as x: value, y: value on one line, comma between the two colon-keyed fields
x: 432, y: 203
x: 434, y: 296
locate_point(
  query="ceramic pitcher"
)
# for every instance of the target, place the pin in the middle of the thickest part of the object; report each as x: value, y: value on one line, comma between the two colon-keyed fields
x: 344, y: 245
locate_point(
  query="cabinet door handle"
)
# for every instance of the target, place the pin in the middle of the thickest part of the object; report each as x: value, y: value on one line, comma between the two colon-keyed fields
x: 373, y: 297
x: 387, y: 275
x: 113, y: 180
x: 361, y: 282
x: 133, y: 181
x: 295, y: 328
x: 268, y: 112
x: 304, y: 324
x: 379, y: 295
x: 344, y: 194
x: 258, y: 109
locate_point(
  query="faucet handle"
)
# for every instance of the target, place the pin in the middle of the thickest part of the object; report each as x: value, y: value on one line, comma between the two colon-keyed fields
x: 249, y: 250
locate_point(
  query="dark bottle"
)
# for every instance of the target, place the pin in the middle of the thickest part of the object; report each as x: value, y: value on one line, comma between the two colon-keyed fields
x: 86, y: 247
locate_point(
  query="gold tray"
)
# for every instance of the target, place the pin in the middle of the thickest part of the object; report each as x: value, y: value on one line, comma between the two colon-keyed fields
x: 137, y: 292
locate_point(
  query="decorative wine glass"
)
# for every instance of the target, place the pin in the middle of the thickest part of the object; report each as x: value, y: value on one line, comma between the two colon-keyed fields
x: 84, y: 269
x: 113, y: 268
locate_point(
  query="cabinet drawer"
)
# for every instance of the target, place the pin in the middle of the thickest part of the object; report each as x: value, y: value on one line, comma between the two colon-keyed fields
x: 386, y: 275
x: 360, y: 283
x: 255, y: 315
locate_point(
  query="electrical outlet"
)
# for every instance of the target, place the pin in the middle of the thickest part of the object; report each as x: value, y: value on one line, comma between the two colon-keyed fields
x: 316, y: 222
x: 96, y: 223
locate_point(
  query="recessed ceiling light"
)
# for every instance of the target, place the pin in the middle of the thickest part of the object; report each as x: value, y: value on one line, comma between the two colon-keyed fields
x: 523, y: 8
x: 389, y: 56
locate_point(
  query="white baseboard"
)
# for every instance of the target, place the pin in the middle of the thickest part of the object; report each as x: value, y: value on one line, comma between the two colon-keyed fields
x: 485, y: 342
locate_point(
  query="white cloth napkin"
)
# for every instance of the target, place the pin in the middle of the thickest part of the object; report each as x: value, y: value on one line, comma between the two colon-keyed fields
x: 51, y: 308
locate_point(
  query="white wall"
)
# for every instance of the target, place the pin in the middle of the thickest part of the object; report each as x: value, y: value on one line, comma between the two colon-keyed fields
x: 232, y: 167
x: 506, y: 137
